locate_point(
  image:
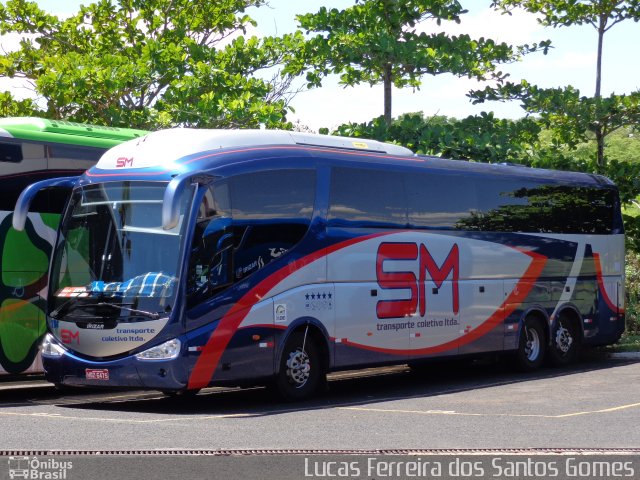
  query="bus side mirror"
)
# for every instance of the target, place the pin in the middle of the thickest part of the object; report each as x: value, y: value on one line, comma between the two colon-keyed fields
x: 28, y: 194
x: 171, y: 199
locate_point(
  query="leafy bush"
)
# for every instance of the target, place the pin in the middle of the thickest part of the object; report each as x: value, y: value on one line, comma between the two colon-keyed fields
x: 481, y: 138
x: 632, y: 271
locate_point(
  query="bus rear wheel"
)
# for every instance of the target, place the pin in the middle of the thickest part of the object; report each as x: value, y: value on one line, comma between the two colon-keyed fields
x: 565, y: 342
x: 531, y: 346
x: 300, y: 374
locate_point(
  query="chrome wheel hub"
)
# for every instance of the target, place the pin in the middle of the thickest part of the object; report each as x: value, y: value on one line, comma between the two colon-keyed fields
x: 564, y: 340
x: 298, y: 367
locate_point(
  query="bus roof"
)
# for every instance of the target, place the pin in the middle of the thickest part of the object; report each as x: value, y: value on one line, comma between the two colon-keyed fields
x: 164, y: 147
x: 60, y: 131
x: 167, y: 152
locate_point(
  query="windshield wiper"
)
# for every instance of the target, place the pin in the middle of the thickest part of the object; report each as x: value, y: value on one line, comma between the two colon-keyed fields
x: 62, y: 308
x: 153, y: 315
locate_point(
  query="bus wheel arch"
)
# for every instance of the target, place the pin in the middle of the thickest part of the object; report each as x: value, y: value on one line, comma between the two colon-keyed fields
x: 566, y: 337
x: 533, y: 340
x: 302, y: 363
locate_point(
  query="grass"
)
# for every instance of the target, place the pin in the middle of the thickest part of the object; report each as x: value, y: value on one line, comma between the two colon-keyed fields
x: 628, y: 343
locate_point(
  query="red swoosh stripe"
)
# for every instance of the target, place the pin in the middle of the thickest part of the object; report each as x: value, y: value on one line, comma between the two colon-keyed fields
x: 513, y: 301
x: 614, y: 308
x: 210, y: 357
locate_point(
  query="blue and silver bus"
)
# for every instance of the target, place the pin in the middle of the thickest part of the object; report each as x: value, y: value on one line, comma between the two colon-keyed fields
x: 192, y: 258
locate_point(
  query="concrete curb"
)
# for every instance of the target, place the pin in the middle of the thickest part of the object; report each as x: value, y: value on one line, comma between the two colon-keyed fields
x: 624, y: 355
x: 24, y: 384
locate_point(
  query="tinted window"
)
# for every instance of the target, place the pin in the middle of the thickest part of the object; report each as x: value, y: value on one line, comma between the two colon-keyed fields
x: 10, y: 152
x: 272, y: 195
x: 271, y: 214
x: 440, y: 200
x: 368, y: 197
x: 30, y: 166
x: 71, y: 159
x: 452, y: 200
x: 545, y: 208
x: 72, y: 152
x: 210, y: 268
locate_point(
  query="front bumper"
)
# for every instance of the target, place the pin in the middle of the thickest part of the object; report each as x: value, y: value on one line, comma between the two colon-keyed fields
x: 69, y: 369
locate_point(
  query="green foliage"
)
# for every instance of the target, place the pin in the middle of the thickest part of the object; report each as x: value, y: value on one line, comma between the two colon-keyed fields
x: 572, y: 119
x: 632, y: 232
x: 622, y: 165
x: 147, y: 63
x: 481, y: 138
x: 623, y: 145
x: 569, y: 114
x: 377, y: 41
x: 558, y: 13
x: 10, y: 107
x: 632, y: 271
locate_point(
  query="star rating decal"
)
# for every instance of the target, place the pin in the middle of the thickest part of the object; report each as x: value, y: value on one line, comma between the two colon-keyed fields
x: 318, y: 300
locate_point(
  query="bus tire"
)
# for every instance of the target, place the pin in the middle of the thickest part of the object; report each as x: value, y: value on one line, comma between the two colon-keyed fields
x: 565, y: 342
x: 300, y: 373
x: 531, y: 346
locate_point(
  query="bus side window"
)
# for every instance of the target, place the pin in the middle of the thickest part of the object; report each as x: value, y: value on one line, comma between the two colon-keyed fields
x: 365, y: 196
x: 440, y: 201
x: 72, y: 157
x: 23, y: 163
x: 10, y: 152
x: 271, y: 213
x: 262, y: 244
x: 210, y: 264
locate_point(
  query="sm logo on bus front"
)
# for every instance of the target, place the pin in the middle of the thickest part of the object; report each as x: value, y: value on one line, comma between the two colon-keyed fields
x: 428, y: 269
x: 68, y: 337
x: 124, y: 162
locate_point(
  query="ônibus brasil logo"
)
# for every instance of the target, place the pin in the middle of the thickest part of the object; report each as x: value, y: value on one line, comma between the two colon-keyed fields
x: 34, y: 468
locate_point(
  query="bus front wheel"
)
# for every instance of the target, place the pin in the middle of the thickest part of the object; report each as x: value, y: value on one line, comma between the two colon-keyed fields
x: 300, y: 374
x: 532, y: 345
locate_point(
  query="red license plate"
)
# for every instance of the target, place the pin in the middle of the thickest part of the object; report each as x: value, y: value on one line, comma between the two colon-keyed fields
x: 97, y: 374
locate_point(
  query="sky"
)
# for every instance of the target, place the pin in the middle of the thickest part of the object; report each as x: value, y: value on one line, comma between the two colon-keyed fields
x: 570, y: 62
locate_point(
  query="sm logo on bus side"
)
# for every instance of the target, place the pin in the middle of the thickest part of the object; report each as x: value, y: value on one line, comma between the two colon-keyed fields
x: 428, y: 269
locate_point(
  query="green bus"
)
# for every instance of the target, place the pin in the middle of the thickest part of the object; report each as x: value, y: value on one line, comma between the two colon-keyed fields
x: 33, y: 149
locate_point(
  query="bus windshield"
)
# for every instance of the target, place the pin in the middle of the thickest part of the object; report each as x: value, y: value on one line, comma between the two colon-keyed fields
x: 113, y: 258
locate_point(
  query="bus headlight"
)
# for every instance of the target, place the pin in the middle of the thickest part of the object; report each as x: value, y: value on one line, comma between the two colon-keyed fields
x: 50, y: 347
x: 165, y: 351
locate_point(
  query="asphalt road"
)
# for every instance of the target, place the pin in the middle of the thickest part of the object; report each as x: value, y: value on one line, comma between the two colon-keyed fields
x: 594, y: 404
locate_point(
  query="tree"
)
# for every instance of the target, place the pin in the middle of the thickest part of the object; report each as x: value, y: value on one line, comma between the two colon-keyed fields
x: 148, y: 63
x: 10, y: 107
x: 601, y: 116
x: 378, y: 41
